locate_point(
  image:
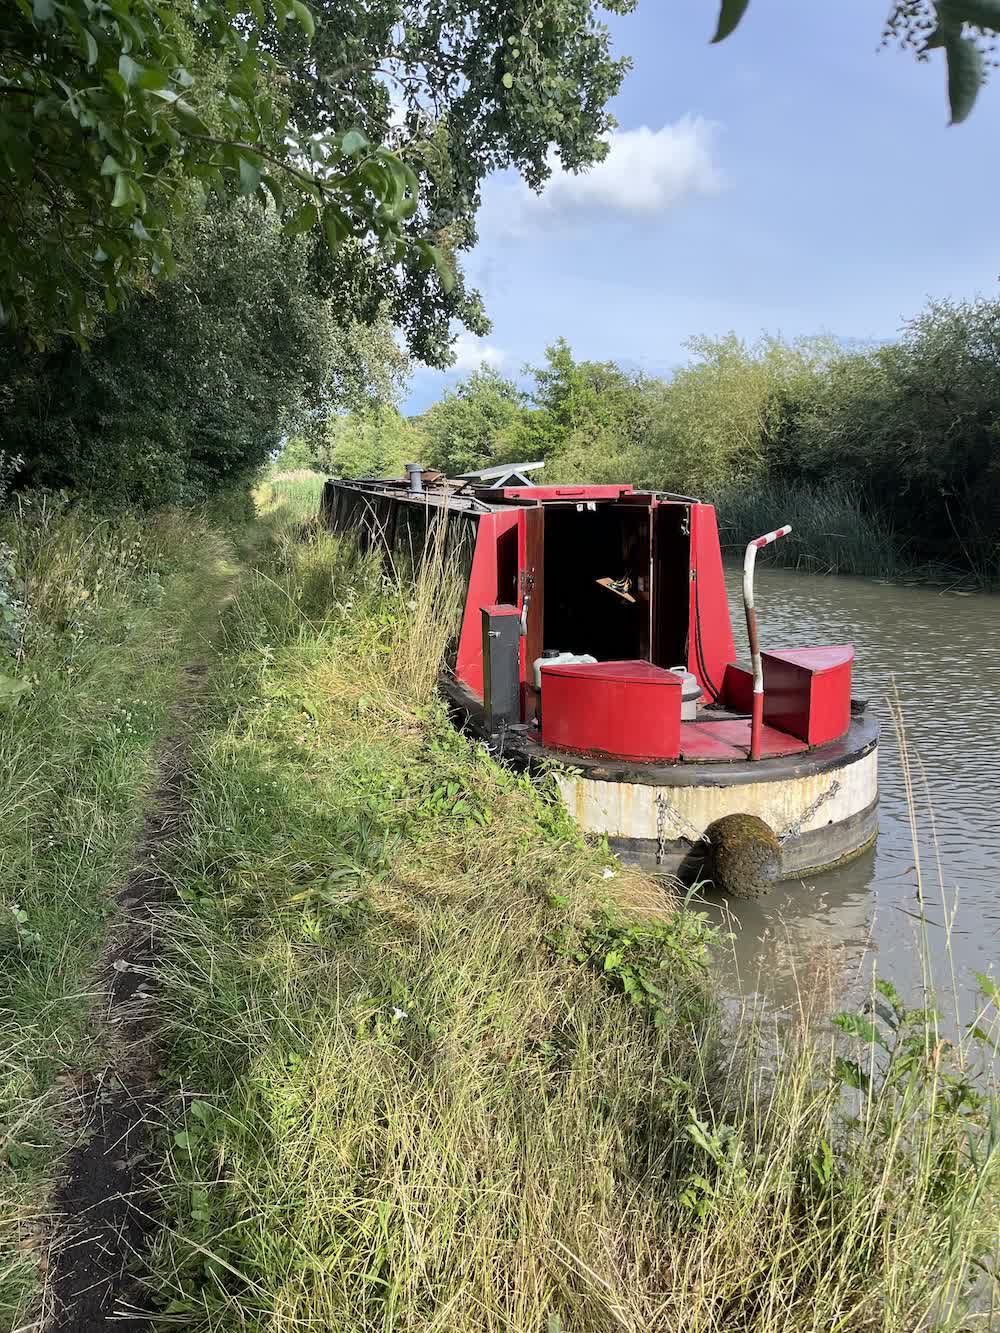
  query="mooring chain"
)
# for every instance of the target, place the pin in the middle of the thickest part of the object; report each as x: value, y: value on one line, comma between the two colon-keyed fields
x: 691, y: 834
x: 797, y: 825
x: 661, y: 820
x: 663, y: 808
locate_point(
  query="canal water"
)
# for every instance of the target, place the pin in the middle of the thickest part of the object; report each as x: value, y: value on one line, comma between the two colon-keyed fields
x: 931, y: 886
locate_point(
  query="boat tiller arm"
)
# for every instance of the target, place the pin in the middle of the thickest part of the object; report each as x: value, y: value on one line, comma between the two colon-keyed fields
x: 749, y: 561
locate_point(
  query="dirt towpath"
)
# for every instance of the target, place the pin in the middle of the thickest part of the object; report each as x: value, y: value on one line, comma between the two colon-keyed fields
x: 104, y: 1206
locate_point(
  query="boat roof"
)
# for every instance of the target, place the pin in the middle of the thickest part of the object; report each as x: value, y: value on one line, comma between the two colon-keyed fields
x: 496, y: 488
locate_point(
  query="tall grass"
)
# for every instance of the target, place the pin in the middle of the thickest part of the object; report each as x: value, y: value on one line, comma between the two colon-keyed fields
x: 833, y: 531
x: 433, y: 1075
x: 100, y: 613
x: 296, y: 495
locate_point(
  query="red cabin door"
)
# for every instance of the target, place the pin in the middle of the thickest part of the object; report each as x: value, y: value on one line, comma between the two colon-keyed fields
x: 533, y: 601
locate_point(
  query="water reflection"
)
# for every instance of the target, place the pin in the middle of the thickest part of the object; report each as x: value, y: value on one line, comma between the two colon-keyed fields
x: 938, y: 656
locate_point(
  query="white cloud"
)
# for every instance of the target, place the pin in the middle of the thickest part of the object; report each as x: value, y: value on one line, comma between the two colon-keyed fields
x: 646, y: 173
x: 471, y: 353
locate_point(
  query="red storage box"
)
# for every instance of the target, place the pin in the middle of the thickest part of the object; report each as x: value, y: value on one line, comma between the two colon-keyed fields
x: 630, y: 709
x: 807, y: 692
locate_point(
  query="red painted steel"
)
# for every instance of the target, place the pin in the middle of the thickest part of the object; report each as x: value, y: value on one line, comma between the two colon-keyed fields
x: 737, y: 732
x: 538, y: 494
x: 532, y: 594
x: 807, y: 691
x: 737, y: 688
x: 699, y: 744
x: 482, y: 591
x: 710, y: 643
x: 631, y: 709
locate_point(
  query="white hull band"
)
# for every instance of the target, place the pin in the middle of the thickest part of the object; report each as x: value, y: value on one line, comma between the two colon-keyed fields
x: 821, y: 818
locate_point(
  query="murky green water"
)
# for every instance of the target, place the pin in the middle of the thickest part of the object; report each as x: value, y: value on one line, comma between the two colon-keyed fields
x: 939, y: 654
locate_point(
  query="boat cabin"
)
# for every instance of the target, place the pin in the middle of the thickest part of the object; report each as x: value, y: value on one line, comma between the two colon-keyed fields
x: 596, y: 617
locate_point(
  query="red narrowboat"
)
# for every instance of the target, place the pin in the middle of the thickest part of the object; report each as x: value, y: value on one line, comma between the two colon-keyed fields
x: 596, y: 631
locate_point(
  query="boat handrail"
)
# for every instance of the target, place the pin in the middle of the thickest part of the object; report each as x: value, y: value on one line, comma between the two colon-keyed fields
x: 749, y: 561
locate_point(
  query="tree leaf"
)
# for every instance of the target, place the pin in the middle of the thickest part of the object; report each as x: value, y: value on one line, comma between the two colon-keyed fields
x: 111, y: 166
x: 249, y: 176
x: 305, y: 18
x: 152, y: 78
x: 91, y: 48
x: 983, y: 13
x: 354, y: 142
x: 123, y: 191
x: 965, y: 74
x: 304, y: 220
x: 129, y: 69
x: 730, y: 13
x: 43, y: 10
x: 335, y: 227
x: 508, y: 80
x: 445, y: 272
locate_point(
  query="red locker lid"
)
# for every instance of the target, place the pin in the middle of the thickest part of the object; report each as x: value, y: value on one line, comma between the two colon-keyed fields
x: 635, y: 671
x: 814, y: 659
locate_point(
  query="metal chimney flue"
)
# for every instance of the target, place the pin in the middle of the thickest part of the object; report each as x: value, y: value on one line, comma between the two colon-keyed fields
x: 415, y: 474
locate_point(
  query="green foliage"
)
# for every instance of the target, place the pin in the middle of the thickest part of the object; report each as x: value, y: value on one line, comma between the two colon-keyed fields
x: 113, y: 116
x: 368, y: 444
x: 108, y: 113
x: 11, y: 601
x: 590, y: 418
x: 190, y: 388
x: 834, y: 529
x: 884, y: 460
x: 474, y: 425
x: 376, y: 442
x: 11, y: 584
x: 726, y: 409
x: 730, y: 13
x: 648, y: 960
x: 914, y: 425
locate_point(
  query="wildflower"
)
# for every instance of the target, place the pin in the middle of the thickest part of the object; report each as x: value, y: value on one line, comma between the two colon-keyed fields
x: 397, y: 1014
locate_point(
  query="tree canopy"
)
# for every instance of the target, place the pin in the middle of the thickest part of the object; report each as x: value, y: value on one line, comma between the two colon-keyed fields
x: 475, y: 424
x: 374, y: 124
x: 191, y: 387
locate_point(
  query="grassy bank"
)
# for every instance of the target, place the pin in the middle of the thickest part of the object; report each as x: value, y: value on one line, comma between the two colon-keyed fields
x: 436, y: 1070
x: 96, y: 616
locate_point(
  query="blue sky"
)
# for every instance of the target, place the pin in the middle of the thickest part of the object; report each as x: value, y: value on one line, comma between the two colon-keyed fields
x: 793, y: 179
